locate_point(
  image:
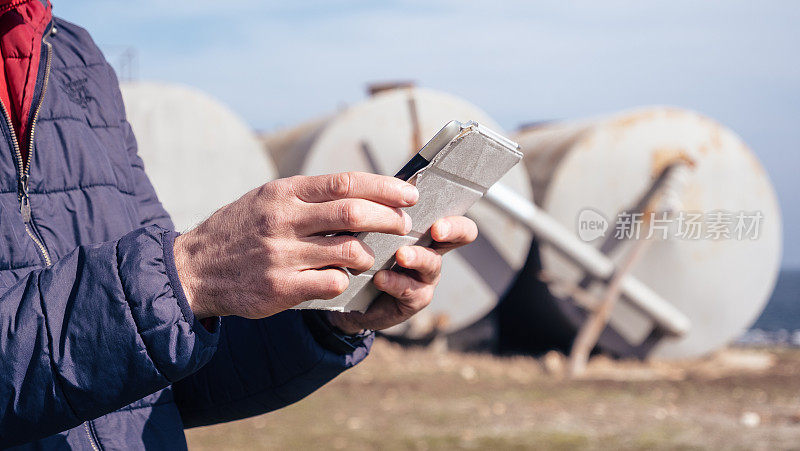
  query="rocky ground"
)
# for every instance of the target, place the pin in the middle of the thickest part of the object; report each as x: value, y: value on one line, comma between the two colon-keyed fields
x: 427, y: 399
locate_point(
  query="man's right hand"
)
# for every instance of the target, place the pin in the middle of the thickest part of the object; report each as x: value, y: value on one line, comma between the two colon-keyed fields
x: 268, y: 251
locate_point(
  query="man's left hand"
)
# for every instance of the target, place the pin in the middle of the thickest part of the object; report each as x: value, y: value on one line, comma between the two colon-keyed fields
x: 408, y: 292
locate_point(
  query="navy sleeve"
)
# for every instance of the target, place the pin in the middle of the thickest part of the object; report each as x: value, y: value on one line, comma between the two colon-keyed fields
x: 102, y: 327
x: 260, y: 366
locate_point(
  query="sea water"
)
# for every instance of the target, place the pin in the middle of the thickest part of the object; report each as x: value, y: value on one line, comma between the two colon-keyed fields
x: 779, y: 323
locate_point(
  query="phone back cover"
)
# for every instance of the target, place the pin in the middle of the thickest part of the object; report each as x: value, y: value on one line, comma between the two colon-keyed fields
x: 456, y: 178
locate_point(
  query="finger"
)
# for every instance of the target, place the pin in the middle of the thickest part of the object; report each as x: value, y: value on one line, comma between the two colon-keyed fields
x: 352, y: 215
x: 452, y: 232
x: 425, y: 263
x: 320, y: 283
x: 410, y: 292
x: 377, y: 188
x: 344, y: 251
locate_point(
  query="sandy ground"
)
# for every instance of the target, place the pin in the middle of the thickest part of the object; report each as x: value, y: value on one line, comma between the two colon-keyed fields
x: 428, y: 399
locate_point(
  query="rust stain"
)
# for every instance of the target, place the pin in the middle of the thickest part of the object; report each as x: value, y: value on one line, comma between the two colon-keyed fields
x: 637, y: 116
x: 716, y: 137
x: 664, y: 157
x: 674, y: 112
x: 379, y: 87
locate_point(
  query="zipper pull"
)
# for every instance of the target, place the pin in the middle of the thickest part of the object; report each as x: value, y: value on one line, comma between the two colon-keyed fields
x: 25, y: 209
x: 24, y: 201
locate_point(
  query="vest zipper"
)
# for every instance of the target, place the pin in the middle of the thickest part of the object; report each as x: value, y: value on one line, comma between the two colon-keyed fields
x: 91, y: 434
x: 24, y: 167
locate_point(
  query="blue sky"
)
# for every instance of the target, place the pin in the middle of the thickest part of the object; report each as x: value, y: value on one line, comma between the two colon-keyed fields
x: 280, y: 63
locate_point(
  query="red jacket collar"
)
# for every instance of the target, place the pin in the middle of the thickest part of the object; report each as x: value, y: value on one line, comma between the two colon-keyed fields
x: 5, y: 5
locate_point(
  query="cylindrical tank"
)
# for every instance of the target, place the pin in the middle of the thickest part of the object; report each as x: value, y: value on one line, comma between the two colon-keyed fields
x: 197, y: 152
x: 605, y: 164
x: 379, y: 135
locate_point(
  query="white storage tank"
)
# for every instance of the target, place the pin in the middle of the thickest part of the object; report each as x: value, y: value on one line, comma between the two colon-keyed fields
x: 605, y: 164
x: 198, y: 153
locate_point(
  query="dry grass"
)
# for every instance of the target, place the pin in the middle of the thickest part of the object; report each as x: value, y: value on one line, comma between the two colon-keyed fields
x: 423, y: 399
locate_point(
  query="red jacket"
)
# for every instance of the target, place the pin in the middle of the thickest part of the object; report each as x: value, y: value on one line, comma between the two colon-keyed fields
x: 22, y: 24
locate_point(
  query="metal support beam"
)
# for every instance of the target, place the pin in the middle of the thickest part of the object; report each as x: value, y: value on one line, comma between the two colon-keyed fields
x: 548, y: 230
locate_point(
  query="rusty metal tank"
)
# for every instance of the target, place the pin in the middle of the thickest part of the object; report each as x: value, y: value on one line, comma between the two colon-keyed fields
x: 603, y: 165
x: 379, y: 135
x: 186, y: 138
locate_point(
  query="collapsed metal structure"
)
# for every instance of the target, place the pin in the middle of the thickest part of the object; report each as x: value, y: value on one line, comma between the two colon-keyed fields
x: 667, y: 165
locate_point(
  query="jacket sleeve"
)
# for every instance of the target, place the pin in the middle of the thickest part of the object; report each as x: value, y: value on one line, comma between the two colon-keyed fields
x: 260, y: 366
x: 103, y: 326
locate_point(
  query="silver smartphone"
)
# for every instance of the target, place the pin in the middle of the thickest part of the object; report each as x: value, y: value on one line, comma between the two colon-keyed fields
x: 443, y: 137
x: 452, y: 171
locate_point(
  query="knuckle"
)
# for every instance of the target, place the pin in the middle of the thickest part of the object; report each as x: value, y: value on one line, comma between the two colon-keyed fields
x: 271, y: 248
x: 340, y: 184
x: 278, y: 188
x: 422, y: 299
x: 424, y: 302
x: 353, y: 214
x: 407, y: 293
x: 265, y: 190
x: 367, y: 260
x: 269, y: 223
x: 288, y: 186
x: 421, y: 305
x: 337, y: 283
x: 271, y: 284
x: 349, y: 252
x: 426, y: 299
x: 359, y: 256
x: 399, y: 220
x: 436, y: 264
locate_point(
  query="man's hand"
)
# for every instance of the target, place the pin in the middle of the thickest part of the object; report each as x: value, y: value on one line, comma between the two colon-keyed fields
x: 267, y: 251
x: 409, y: 292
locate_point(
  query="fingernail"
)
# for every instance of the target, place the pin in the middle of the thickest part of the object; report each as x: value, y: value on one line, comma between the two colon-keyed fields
x: 443, y: 228
x: 380, y: 278
x: 410, y: 194
x: 408, y: 254
x: 408, y: 225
